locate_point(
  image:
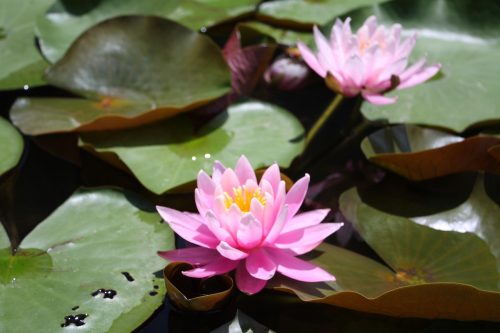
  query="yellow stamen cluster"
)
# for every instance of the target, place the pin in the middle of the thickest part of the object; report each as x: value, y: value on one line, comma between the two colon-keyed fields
x: 242, y: 197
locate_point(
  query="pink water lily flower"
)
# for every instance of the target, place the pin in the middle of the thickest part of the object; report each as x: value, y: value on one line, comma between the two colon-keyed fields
x: 371, y: 62
x: 252, y: 227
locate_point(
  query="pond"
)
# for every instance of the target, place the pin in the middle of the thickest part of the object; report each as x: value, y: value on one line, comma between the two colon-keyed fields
x: 249, y: 166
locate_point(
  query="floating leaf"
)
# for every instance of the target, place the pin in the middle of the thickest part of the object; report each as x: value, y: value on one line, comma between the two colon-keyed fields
x: 495, y: 152
x: 22, y: 64
x: 478, y: 215
x: 196, y: 295
x: 95, y: 257
x: 463, y: 37
x: 283, y: 36
x: 433, y: 273
x: 66, y: 20
x: 183, y: 70
x: 308, y: 12
x: 168, y: 154
x: 247, y: 64
x: 419, y: 153
x: 11, y: 146
x: 4, y: 238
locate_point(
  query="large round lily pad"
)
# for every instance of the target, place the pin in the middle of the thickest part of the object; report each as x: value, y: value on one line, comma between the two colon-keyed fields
x: 478, y: 215
x: 11, y: 146
x: 293, y: 12
x: 420, y: 153
x: 168, y: 154
x: 95, y: 257
x: 134, y: 70
x: 22, y: 64
x: 66, y: 20
x: 464, y: 37
x: 432, y: 273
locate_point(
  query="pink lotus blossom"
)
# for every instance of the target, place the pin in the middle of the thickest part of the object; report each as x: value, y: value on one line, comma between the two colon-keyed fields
x: 248, y: 226
x: 371, y: 62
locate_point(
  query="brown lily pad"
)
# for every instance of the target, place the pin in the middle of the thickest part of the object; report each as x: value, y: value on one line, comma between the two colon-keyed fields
x: 198, y: 295
x: 419, y: 153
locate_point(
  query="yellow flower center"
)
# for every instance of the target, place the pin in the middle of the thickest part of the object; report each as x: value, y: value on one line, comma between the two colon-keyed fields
x: 242, y: 197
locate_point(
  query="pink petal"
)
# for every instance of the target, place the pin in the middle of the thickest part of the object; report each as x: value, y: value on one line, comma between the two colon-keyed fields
x: 420, y: 77
x: 188, y: 227
x: 219, y: 266
x: 205, y: 183
x: 257, y: 210
x: 267, y: 187
x: 229, y: 180
x: 325, y: 53
x: 296, y: 195
x: 260, y: 266
x: 249, y: 233
x: 202, y: 201
x: 412, y: 70
x: 354, y: 67
x: 193, y: 255
x: 218, y: 229
x: 230, y: 252
x: 217, y: 172
x: 337, y: 40
x: 304, y: 237
x: 269, y: 213
x: 278, y: 225
x: 311, y: 60
x: 371, y: 24
x: 407, y: 46
x: 227, y: 217
x: 299, y: 269
x: 305, y: 220
x: 244, y: 170
x: 395, y: 68
x: 378, y: 99
x: 247, y: 283
x: 273, y: 176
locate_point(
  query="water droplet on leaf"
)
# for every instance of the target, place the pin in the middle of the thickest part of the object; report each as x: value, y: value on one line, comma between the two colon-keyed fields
x: 77, y: 320
x: 106, y: 293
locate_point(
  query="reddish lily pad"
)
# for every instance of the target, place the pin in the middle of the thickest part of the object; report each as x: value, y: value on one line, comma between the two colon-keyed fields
x: 184, y: 70
x: 419, y: 153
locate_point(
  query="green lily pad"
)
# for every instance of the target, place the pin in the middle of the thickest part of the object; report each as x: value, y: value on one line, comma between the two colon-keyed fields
x: 11, y: 146
x: 478, y: 215
x: 463, y: 37
x: 292, y: 12
x: 429, y: 300
x: 420, y: 153
x: 168, y: 154
x: 107, y: 65
x: 4, y: 238
x: 66, y: 20
x: 98, y: 239
x: 22, y: 64
x: 431, y: 273
x: 282, y: 36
